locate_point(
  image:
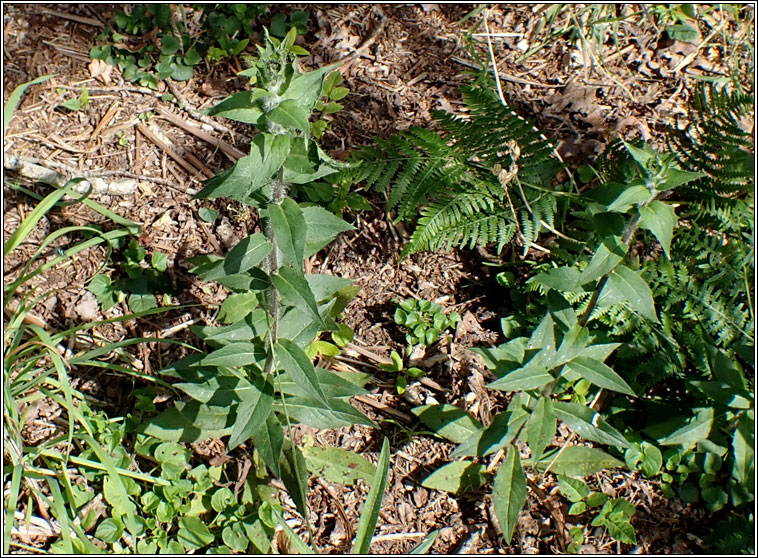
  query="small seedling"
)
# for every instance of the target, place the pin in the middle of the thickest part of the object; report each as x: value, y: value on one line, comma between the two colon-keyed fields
x: 425, y: 320
x: 78, y: 104
x: 139, y: 286
x: 401, y: 382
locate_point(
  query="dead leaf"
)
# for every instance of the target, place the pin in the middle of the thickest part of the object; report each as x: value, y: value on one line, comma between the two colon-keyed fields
x: 100, y: 70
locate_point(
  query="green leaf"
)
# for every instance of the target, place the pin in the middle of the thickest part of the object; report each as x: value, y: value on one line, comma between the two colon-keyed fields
x: 296, y: 363
x: 307, y: 88
x: 575, y: 490
x: 509, y: 492
x: 170, y: 44
x: 254, y: 408
x: 677, y: 177
x: 235, y: 537
x: 315, y: 413
x: 268, y: 440
x: 599, y: 374
x: 193, y: 533
x: 109, y: 530
x: 297, y: 542
x: 252, y: 280
x: 235, y: 355
x: 660, y: 219
x: 295, y: 476
x: 588, y: 424
x: 602, y: 262
x: 338, y: 93
x: 562, y: 279
x: 222, y: 499
x: 457, y: 477
x: 292, y: 285
x: 501, y: 432
x: 578, y: 461
x: 251, y: 173
x: 448, y: 421
x: 241, y: 107
x: 426, y: 543
x: 141, y: 302
x: 237, y: 306
x: 696, y: 430
x: 322, y: 227
x: 246, y: 254
x: 373, y: 504
x: 540, y: 429
x: 338, y: 465
x: 190, y: 422
x: 289, y: 226
x: 634, y: 290
x: 743, y: 444
x: 181, y: 72
x: 630, y: 196
x: 527, y: 378
x: 291, y: 114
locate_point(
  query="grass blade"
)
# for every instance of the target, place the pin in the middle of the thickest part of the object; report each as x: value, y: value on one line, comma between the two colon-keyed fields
x: 370, y: 513
x: 294, y: 538
x: 424, y: 546
x: 11, y: 507
x: 28, y: 224
x: 15, y: 99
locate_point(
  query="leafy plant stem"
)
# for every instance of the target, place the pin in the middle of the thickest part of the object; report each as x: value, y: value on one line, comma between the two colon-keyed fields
x: 631, y: 228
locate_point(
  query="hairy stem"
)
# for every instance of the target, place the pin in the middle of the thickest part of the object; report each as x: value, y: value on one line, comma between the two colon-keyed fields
x: 272, y: 295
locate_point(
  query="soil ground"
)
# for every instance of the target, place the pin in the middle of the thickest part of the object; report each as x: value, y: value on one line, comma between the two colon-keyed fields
x: 410, y: 61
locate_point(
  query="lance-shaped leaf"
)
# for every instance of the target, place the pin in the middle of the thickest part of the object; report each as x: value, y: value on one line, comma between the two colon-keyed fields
x: 295, y: 476
x: 314, y: 412
x: 599, y: 374
x: 628, y: 284
x: 289, y: 226
x: 540, y: 429
x: 457, y: 477
x: 697, y: 430
x: 246, y: 254
x: 660, y: 219
x: 268, y: 440
x: 509, y: 492
x: 235, y: 355
x: 588, y: 424
x: 256, y: 402
x: 602, y: 262
x: 448, y: 421
x: 578, y: 461
x: 523, y: 379
x: 373, y: 504
x: 296, y: 363
x: 292, y: 285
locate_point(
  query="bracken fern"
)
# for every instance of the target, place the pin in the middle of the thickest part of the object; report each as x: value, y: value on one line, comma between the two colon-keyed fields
x: 486, y: 179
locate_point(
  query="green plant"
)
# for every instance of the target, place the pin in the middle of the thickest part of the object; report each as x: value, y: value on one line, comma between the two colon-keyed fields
x: 78, y: 104
x: 487, y: 180
x: 257, y: 378
x: 141, y: 283
x: 425, y: 320
x: 605, y: 307
x: 403, y: 373
x: 615, y: 515
x: 175, y: 50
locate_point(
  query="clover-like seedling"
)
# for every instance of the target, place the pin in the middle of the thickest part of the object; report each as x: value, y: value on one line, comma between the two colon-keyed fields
x: 426, y: 321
